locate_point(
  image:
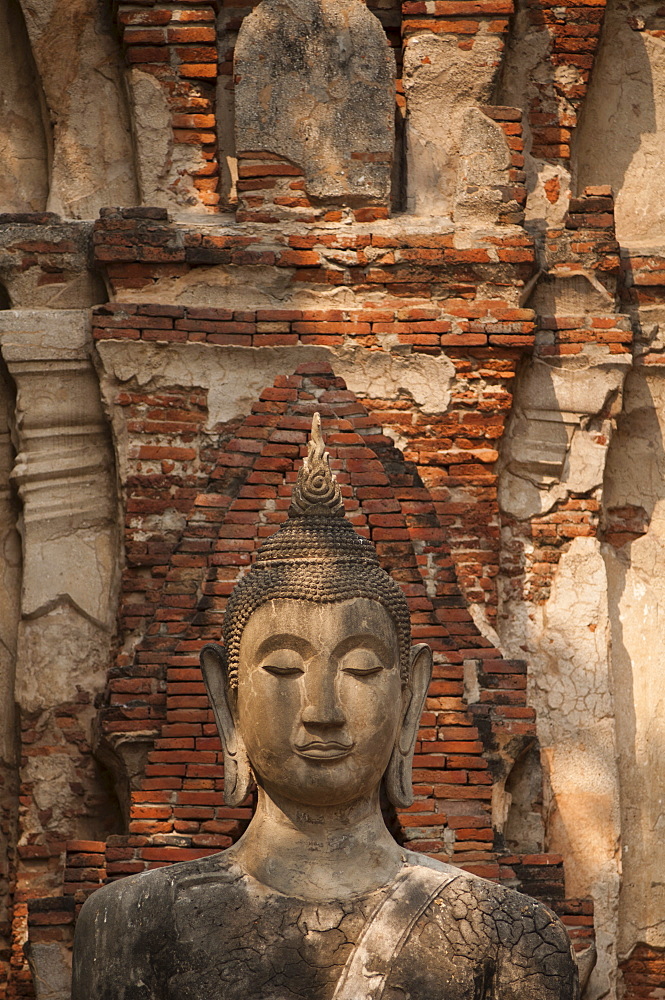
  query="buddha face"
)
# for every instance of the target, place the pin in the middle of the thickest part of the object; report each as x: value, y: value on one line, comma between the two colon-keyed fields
x: 320, y: 700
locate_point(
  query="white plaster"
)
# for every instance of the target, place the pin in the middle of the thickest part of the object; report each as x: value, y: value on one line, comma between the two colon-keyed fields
x: 234, y: 376
x: 566, y: 643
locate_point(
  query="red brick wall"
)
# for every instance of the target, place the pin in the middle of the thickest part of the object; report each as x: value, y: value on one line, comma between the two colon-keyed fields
x: 643, y: 973
x: 173, y: 598
x: 572, y: 32
x: 234, y: 498
x: 183, y: 588
x: 177, y: 45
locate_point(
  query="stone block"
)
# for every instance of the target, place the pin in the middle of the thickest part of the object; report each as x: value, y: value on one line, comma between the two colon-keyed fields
x: 315, y: 85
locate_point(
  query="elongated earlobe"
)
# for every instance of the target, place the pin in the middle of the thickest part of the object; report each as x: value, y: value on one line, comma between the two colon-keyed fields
x: 399, y: 785
x: 237, y: 771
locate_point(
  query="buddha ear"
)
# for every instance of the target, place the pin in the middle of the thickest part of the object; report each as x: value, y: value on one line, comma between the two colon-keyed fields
x: 237, y: 772
x: 399, y: 785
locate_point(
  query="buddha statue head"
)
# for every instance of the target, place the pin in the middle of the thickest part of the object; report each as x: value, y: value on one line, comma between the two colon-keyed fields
x: 317, y: 691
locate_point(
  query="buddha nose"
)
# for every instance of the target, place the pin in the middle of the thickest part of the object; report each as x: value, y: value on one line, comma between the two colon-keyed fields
x: 322, y: 706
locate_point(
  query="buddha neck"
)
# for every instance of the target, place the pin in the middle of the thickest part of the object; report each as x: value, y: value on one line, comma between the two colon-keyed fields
x: 319, y: 853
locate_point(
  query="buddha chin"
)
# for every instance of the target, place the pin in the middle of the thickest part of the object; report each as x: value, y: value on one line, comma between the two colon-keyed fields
x: 318, y: 693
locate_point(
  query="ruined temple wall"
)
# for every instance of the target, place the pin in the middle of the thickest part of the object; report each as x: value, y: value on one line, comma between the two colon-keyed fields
x: 498, y: 357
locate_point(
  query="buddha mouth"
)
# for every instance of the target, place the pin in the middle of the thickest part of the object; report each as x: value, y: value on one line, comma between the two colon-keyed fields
x: 324, y: 749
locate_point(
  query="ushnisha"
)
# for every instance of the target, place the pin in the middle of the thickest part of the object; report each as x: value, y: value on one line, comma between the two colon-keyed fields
x: 318, y: 694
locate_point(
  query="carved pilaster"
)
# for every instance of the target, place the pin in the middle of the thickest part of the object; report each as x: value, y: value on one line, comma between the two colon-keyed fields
x: 63, y: 468
x: 68, y: 522
x: 63, y: 471
x: 63, y: 475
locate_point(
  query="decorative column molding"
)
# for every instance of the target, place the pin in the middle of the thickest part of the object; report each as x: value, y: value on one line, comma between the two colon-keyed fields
x: 64, y: 474
x: 64, y: 466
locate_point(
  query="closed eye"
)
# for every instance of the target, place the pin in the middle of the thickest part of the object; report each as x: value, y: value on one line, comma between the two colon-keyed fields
x: 283, y: 663
x: 278, y: 671
x: 362, y: 671
x: 361, y: 663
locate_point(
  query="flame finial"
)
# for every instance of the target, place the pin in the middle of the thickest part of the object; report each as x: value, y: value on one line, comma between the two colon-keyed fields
x: 317, y: 492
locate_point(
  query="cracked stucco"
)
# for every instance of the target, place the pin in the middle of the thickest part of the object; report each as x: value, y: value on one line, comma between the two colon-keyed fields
x: 636, y: 592
x: 566, y: 642
x: 234, y: 376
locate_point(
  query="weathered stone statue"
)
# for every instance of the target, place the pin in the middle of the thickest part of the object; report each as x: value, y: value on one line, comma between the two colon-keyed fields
x: 318, y: 695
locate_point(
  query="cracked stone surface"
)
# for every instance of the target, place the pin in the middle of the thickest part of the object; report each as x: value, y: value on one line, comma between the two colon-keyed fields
x: 206, y: 929
x: 636, y: 598
x: 567, y: 643
x: 557, y: 437
x: 92, y: 158
x: 330, y: 64
x: 439, y: 74
x: 556, y: 445
x: 23, y: 139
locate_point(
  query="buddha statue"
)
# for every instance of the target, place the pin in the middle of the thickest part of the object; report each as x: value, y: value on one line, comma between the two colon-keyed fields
x: 317, y: 694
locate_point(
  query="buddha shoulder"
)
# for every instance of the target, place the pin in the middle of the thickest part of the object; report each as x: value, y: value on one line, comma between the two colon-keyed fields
x: 529, y: 943
x: 126, y: 930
